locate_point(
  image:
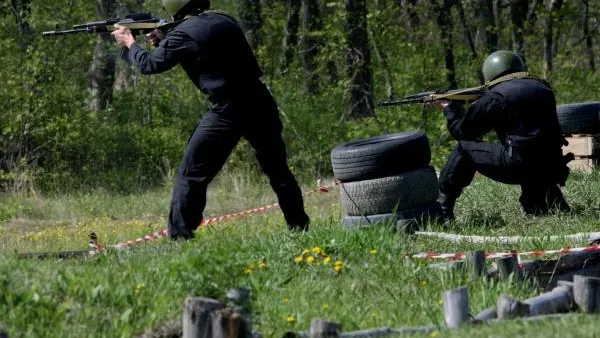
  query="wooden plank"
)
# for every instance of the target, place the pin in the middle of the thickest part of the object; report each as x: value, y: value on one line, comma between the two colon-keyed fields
x: 582, y: 164
x: 582, y: 146
x: 555, y: 301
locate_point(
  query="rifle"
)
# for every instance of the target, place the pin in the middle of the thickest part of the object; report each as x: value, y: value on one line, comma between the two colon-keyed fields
x: 138, y: 23
x: 467, y: 94
x: 464, y: 95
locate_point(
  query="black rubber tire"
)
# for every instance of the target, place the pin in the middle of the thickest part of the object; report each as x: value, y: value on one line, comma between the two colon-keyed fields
x: 409, y: 219
x: 380, y: 156
x: 384, y: 195
x: 579, y: 118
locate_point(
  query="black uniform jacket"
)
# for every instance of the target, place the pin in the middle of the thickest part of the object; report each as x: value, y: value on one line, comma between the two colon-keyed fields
x: 213, y: 51
x: 521, y: 111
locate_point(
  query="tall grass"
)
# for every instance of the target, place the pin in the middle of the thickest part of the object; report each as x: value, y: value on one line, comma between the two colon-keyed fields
x: 119, y: 294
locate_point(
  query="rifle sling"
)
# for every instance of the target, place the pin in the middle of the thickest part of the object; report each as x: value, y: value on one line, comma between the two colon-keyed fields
x: 468, y: 93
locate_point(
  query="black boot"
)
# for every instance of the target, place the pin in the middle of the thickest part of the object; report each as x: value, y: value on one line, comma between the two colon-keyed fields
x: 447, y: 204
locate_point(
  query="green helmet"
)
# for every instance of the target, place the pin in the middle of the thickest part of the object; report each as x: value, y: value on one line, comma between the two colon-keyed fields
x: 501, y: 63
x: 179, y: 8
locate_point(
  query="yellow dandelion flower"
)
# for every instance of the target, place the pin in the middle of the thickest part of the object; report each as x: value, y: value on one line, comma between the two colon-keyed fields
x: 317, y: 250
x: 327, y: 260
x: 339, y: 263
x: 305, y: 252
x: 285, y: 301
x: 310, y: 259
x: 262, y: 265
x: 290, y: 319
x: 299, y: 259
x: 373, y: 252
x: 337, y: 268
x: 138, y: 289
x: 248, y: 271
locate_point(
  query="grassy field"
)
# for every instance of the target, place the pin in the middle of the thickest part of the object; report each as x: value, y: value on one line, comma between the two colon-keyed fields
x: 362, y: 278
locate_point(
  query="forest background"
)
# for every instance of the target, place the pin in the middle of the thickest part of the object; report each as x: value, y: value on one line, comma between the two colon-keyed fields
x: 76, y: 117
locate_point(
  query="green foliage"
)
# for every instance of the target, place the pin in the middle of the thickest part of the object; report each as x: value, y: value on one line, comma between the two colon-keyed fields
x: 49, y: 139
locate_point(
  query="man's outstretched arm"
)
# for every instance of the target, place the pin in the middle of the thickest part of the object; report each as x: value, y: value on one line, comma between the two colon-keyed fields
x: 165, y: 56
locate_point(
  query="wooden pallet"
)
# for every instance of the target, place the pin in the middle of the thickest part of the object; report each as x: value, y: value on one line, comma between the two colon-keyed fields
x: 586, y: 149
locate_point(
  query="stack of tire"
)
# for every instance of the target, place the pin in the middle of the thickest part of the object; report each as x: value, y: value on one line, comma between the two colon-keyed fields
x: 579, y: 118
x: 387, y: 180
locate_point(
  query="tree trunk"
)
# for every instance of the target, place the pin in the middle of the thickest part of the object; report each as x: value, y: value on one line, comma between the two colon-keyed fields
x: 358, y: 58
x: 444, y: 22
x: 486, y: 21
x: 413, y: 17
x: 251, y: 21
x: 126, y: 75
x: 310, y: 44
x: 382, y: 58
x: 553, y: 7
x: 589, y: 42
x: 290, y: 37
x: 103, y: 64
x: 467, y: 32
x: 518, y: 16
x: 21, y: 10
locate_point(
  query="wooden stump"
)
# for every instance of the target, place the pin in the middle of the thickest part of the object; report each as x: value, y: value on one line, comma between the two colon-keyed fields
x: 198, y: 314
x: 228, y: 323
x: 508, y: 266
x: 586, y: 291
x: 476, y: 263
x: 322, y: 329
x: 456, y: 307
x: 241, y: 300
x: 508, y: 307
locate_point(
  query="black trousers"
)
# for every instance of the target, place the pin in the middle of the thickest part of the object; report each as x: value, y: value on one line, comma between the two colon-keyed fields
x: 534, y: 170
x: 253, y: 115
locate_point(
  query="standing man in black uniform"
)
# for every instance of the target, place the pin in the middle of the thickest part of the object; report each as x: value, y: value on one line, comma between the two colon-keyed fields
x: 213, y: 50
x: 522, y: 111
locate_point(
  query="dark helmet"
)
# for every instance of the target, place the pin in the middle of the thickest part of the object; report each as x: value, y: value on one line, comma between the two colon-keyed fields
x: 501, y: 63
x: 180, y: 8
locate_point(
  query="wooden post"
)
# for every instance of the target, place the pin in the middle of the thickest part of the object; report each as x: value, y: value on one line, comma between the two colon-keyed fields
x: 508, y: 266
x: 586, y: 292
x: 456, y: 307
x: 476, y: 263
x: 322, y: 329
x: 508, y: 307
x: 241, y: 300
x: 198, y: 314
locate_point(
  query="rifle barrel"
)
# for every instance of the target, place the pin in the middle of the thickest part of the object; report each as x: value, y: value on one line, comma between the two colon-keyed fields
x: 65, y: 32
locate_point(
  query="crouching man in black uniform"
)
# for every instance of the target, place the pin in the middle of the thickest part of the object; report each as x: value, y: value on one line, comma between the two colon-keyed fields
x: 212, y: 49
x: 522, y: 111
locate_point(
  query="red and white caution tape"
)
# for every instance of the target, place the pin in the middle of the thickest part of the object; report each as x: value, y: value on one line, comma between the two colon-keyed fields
x: 96, y: 247
x: 492, y: 255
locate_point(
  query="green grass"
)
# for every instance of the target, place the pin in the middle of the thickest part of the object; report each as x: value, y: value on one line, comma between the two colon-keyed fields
x: 120, y: 294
